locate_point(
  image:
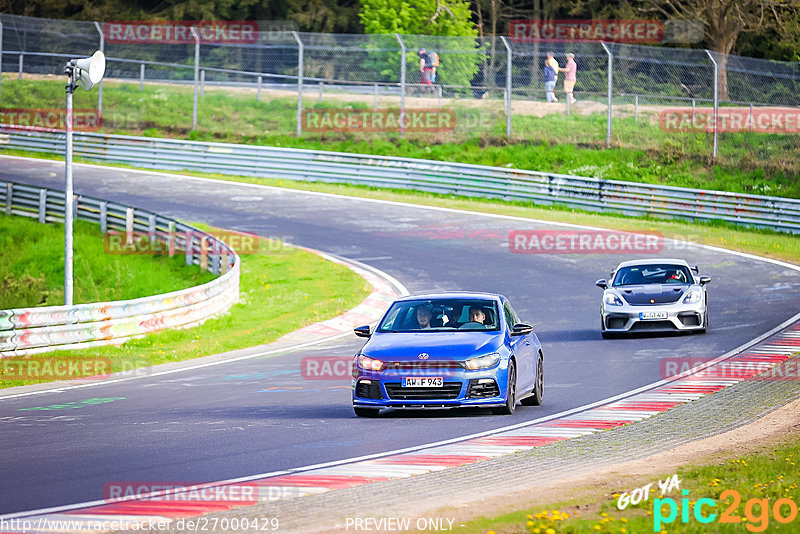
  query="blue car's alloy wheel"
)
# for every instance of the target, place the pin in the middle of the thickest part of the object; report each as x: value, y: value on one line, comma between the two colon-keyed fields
x: 538, y: 387
x: 511, y: 398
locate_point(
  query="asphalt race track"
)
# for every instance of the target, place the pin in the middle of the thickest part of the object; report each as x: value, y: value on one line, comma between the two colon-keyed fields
x: 260, y: 415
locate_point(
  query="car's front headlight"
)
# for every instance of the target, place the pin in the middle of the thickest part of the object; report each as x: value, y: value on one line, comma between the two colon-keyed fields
x: 612, y: 300
x: 483, y: 362
x: 369, y: 364
x: 693, y: 297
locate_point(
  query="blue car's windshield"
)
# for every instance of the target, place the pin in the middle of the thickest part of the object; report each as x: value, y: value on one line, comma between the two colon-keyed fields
x: 653, y: 274
x: 437, y: 315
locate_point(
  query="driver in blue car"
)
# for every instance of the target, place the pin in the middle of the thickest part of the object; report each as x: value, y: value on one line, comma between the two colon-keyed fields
x: 476, y: 318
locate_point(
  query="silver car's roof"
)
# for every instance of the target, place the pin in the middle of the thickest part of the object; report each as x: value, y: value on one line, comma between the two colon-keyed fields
x: 652, y: 261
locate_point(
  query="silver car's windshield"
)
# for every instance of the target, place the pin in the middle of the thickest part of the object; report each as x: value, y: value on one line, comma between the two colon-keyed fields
x: 437, y: 315
x: 653, y: 274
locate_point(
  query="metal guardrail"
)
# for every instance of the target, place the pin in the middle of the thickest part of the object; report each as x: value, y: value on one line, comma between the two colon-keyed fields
x: 608, y: 196
x: 32, y: 330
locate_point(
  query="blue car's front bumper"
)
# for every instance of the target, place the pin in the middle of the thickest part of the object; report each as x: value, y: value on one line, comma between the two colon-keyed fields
x: 384, y: 389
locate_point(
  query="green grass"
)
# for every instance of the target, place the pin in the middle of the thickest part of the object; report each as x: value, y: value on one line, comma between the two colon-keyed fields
x: 772, y: 475
x: 281, y: 290
x: 757, y: 163
x: 32, y: 267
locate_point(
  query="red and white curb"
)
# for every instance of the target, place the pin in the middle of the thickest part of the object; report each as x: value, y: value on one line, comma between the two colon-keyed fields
x: 732, y: 368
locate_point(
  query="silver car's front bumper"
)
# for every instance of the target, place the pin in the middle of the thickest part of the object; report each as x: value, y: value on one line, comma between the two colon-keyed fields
x: 679, y: 317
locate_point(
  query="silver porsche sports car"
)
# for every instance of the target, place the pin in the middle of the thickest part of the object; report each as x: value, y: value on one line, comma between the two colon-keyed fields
x: 654, y: 295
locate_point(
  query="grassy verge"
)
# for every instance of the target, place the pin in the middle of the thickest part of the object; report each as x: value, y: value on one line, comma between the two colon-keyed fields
x: 760, y: 479
x: 32, y: 267
x: 758, y: 163
x: 281, y: 290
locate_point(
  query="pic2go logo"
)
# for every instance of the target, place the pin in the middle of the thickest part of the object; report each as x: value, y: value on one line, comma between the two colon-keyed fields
x: 756, y: 511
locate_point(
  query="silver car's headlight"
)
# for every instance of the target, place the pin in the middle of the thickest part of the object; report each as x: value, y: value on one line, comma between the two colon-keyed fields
x: 483, y: 362
x: 612, y: 300
x: 693, y: 297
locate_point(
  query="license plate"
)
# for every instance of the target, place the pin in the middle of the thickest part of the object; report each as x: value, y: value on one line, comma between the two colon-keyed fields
x: 423, y: 382
x: 652, y: 315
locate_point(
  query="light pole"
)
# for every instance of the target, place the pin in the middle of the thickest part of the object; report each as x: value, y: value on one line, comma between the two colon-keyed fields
x: 85, y: 72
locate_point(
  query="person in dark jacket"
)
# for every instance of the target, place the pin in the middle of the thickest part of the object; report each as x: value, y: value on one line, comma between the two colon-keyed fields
x: 550, y: 82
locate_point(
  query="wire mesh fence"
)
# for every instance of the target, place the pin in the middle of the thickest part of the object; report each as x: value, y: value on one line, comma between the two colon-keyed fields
x: 286, y: 82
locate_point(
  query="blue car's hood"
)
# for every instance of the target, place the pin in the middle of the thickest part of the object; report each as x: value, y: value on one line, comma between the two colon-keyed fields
x: 438, y: 345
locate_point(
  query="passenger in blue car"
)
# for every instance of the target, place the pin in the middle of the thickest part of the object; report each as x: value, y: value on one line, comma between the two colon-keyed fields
x: 450, y: 318
x: 424, y: 315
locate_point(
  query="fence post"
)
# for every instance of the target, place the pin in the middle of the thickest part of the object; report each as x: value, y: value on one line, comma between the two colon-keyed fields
x: 320, y: 91
x: 202, y: 82
x: 610, y: 91
x: 196, y: 75
x: 716, y: 101
x: 509, y: 60
x: 299, y: 83
x: 100, y: 85
x: 104, y: 218
x: 171, y: 238
x: 402, y: 76
x: 141, y: 77
x: 1, y: 62
x: 258, y: 91
x: 752, y: 122
x: 42, y: 206
x: 129, y: 215
x: 189, y: 247
x: 635, y: 108
x: 375, y: 101
x: 20, y: 67
x: 9, y: 197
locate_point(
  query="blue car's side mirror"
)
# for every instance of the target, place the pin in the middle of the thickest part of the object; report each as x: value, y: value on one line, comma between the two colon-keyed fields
x: 362, y: 331
x: 521, y: 329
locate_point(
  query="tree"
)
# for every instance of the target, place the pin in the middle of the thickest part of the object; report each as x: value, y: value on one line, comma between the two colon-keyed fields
x: 450, y: 21
x: 725, y: 20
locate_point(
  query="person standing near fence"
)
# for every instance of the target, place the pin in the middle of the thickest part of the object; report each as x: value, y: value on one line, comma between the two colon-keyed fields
x: 549, y: 82
x: 570, y: 76
x: 553, y: 62
x: 425, y: 67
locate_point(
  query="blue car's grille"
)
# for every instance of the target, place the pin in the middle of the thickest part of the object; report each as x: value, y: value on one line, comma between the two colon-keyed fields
x: 396, y: 391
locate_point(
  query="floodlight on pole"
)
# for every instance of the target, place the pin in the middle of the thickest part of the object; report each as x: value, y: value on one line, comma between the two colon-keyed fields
x: 85, y: 72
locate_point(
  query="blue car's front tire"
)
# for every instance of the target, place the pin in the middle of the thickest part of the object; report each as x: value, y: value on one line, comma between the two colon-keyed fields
x: 511, y: 392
